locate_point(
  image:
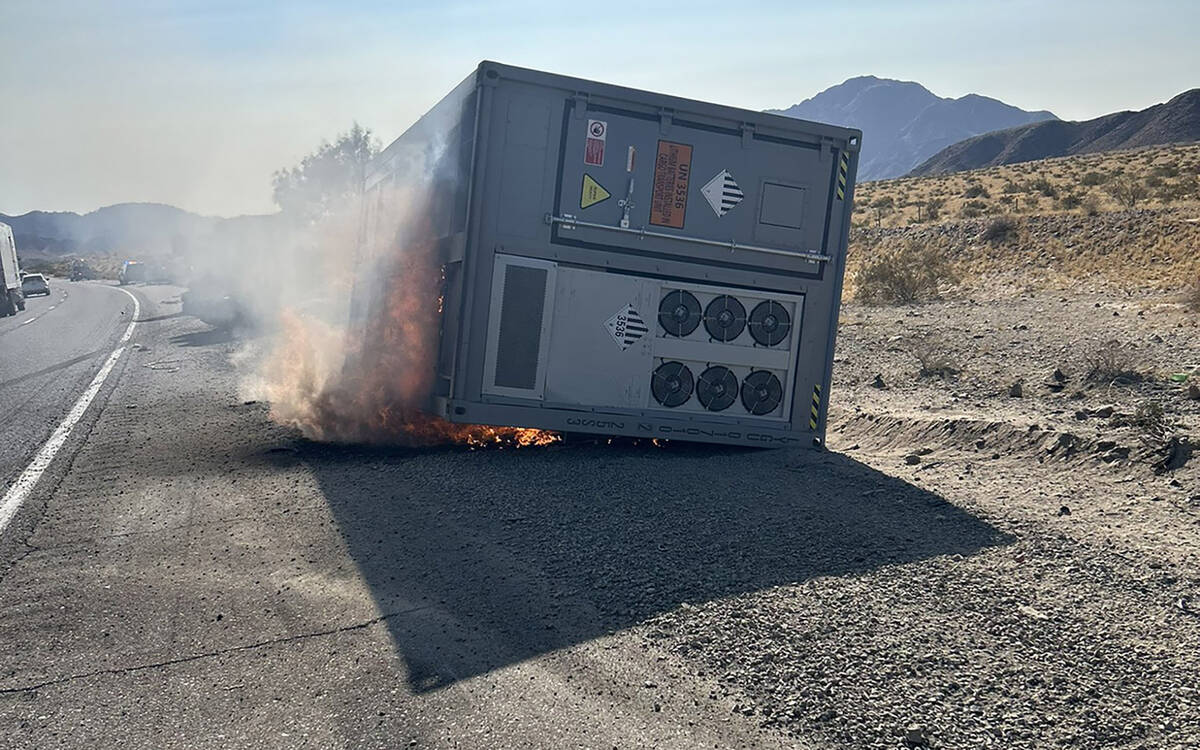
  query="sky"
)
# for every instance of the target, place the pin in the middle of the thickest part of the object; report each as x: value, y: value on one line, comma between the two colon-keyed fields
x: 196, y: 104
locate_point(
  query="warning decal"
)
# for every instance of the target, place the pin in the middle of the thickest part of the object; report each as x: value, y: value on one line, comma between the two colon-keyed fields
x: 593, y: 192
x: 672, y: 170
x: 593, y: 149
x: 722, y: 193
x: 626, y: 327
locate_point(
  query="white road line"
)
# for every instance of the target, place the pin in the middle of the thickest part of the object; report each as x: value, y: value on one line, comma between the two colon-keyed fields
x: 51, y: 307
x: 29, y: 321
x: 25, y: 483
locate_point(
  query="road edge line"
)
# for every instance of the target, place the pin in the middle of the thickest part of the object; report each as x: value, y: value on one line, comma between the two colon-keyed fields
x: 28, y: 479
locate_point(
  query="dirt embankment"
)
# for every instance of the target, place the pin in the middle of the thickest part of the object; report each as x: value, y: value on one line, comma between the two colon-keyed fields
x: 1158, y: 247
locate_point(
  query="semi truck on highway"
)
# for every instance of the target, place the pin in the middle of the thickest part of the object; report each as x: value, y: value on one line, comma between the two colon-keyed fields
x: 11, y: 298
x: 622, y: 262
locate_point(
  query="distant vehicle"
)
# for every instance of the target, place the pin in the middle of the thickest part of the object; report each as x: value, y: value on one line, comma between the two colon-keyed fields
x: 35, y: 284
x: 132, y: 271
x: 11, y: 298
x: 210, y: 301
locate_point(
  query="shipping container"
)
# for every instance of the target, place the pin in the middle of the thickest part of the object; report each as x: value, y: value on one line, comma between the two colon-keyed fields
x: 615, y: 261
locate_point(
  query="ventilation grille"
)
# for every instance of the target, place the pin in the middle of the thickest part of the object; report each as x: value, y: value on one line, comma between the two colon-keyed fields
x: 522, y: 306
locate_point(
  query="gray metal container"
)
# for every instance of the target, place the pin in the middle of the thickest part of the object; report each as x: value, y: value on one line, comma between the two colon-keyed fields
x: 628, y: 263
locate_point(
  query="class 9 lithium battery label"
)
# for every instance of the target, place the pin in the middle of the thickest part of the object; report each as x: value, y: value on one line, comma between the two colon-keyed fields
x: 672, y: 170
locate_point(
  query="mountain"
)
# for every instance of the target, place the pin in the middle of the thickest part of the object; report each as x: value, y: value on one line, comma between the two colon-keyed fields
x: 1175, y: 121
x: 904, y: 123
x: 132, y: 230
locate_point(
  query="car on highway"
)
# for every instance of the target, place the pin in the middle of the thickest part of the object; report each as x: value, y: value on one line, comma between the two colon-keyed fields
x: 34, y: 284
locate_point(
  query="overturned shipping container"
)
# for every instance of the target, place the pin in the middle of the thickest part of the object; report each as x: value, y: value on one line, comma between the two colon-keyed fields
x: 620, y: 262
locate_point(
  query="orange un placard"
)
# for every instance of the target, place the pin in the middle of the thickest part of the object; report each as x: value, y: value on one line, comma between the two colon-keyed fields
x: 672, y: 168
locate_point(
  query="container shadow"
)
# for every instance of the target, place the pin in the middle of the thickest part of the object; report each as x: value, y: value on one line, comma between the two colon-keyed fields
x: 482, y: 559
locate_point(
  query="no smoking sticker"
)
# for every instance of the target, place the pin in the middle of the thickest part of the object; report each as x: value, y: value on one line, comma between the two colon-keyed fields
x: 593, y: 149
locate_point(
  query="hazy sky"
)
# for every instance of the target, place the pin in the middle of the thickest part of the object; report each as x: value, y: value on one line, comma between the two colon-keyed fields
x: 197, y: 103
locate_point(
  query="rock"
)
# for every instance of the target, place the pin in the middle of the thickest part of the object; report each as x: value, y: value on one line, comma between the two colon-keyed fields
x: 1104, y: 412
x: 1193, y: 392
x: 1064, y: 511
x: 1016, y: 390
x: 912, y: 459
x: 916, y: 735
x: 878, y: 382
x: 1058, y: 375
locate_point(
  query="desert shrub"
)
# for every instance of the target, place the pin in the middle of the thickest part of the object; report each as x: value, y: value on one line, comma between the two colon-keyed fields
x: 1093, y: 178
x: 1153, y: 182
x: 904, y: 273
x: 1114, y: 362
x: 999, y: 229
x: 1127, y: 191
x: 1043, y: 186
x: 1090, y: 205
x: 971, y: 209
x: 1165, y: 170
x: 976, y: 191
x: 1191, y: 296
x: 1012, y: 187
x: 934, y: 358
x: 1070, y: 202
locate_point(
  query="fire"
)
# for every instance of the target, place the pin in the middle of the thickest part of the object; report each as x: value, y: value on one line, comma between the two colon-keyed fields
x: 371, y: 380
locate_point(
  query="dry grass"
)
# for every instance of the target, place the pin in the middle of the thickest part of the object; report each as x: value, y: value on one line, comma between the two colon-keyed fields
x: 1114, y: 363
x: 1156, y: 177
x: 903, y: 273
x: 934, y: 358
x: 1191, y: 296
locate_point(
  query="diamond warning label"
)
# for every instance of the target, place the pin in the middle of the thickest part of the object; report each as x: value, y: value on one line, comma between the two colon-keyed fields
x: 672, y: 170
x: 593, y: 192
x: 626, y: 327
x: 722, y: 193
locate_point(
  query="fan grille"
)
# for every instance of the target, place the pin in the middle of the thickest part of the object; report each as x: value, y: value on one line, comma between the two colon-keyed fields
x: 679, y: 313
x: 717, y: 388
x: 761, y: 392
x: 725, y: 318
x: 770, y: 323
x: 672, y: 384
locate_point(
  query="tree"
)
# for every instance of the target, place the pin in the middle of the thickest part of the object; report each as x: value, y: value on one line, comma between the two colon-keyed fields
x: 325, y: 178
x: 1127, y: 191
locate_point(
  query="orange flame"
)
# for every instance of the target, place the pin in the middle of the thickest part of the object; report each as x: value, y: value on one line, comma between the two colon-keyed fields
x: 372, y: 380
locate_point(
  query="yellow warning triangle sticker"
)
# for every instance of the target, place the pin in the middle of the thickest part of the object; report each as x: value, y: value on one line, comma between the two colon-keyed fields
x: 593, y: 193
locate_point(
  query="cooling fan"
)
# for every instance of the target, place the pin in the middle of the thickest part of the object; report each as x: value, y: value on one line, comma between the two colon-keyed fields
x: 724, y: 318
x: 672, y: 384
x: 761, y: 392
x: 679, y: 313
x: 717, y: 388
x: 769, y: 323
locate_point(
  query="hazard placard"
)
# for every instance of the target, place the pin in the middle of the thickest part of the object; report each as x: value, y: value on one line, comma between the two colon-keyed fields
x: 626, y: 327
x: 672, y: 170
x: 593, y: 192
x: 593, y: 149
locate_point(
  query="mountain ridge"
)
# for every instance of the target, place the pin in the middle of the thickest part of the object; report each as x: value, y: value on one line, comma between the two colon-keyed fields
x: 1175, y: 121
x: 903, y: 122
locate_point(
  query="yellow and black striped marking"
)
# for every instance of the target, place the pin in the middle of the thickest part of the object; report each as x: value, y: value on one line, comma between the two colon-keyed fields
x: 816, y: 407
x: 843, y: 168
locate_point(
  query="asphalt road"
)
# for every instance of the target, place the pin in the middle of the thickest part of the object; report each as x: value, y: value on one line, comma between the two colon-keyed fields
x: 48, y: 355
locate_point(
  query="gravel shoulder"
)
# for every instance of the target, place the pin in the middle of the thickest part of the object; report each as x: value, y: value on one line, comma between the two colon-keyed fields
x: 200, y: 577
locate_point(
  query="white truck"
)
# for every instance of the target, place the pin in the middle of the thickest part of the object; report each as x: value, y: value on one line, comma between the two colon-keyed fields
x: 11, y: 298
